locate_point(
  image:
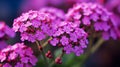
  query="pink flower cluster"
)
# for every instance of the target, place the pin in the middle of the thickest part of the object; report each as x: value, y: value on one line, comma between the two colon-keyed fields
x: 50, y: 23
x: 93, y: 15
x: 70, y: 37
x: 66, y: 34
x: 36, y: 25
x: 17, y: 55
x: 69, y: 30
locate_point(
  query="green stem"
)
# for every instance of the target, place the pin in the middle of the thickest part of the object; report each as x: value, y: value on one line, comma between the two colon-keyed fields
x: 46, y: 42
x: 97, y: 45
x: 90, y: 45
x: 43, y: 54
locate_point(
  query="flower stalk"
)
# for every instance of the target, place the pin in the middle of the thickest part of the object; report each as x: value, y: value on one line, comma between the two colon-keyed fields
x: 42, y: 53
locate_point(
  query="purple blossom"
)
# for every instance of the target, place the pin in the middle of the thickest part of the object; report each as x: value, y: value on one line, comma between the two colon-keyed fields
x: 36, y: 25
x: 31, y: 38
x: 13, y: 56
x: 54, y: 42
x: 73, y: 37
x: 24, y: 59
x: 19, y: 53
x: 70, y: 35
x: 67, y: 29
x: 24, y: 36
x: 86, y: 21
x: 99, y: 26
x: 78, y: 50
x: 68, y: 49
x: 2, y: 57
x: 64, y: 40
x: 83, y: 43
x: 94, y: 18
x: 33, y: 60
x: 41, y: 34
x: 58, y: 32
x: 19, y: 64
x: 28, y: 52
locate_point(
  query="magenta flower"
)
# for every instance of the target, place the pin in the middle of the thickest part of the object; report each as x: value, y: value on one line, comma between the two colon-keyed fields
x: 54, y: 41
x: 19, y: 65
x: 64, y: 40
x: 93, y: 18
x: 68, y: 49
x: 17, y: 54
x: 36, y: 25
x: 69, y: 37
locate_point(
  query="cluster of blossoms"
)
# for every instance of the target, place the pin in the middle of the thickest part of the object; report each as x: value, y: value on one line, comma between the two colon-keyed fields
x: 93, y: 17
x: 69, y: 30
x: 17, y: 55
x: 36, y: 25
x: 71, y: 37
x: 5, y: 33
x: 66, y: 34
x: 46, y: 22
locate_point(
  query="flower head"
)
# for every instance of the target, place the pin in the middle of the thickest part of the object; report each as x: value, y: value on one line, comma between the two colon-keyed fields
x: 70, y: 37
x: 93, y: 18
x: 36, y: 25
x: 17, y: 54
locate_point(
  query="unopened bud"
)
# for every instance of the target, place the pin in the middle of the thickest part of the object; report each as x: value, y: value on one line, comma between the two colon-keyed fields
x: 58, y: 60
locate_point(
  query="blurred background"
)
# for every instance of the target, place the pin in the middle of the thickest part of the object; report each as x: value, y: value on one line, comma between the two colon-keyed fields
x: 108, y: 55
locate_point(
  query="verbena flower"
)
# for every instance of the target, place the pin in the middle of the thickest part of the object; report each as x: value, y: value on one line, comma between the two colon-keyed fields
x: 65, y: 33
x: 94, y: 19
x: 17, y: 55
x: 72, y: 38
x: 36, y: 25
